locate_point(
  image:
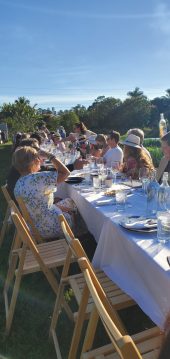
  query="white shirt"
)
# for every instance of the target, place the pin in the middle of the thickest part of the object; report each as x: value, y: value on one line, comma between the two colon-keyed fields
x: 113, y: 154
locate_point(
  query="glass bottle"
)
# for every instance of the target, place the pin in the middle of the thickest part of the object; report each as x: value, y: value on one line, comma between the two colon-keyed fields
x: 163, y: 193
x: 162, y: 126
x: 152, y: 195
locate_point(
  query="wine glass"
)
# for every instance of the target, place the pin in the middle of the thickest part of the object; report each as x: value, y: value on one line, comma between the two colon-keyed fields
x: 100, y: 163
x: 115, y: 165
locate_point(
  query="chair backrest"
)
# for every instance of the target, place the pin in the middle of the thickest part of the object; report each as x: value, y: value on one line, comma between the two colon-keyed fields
x: 6, y: 193
x: 27, y: 239
x: 73, y: 243
x: 123, y: 344
x: 78, y: 252
x: 36, y: 235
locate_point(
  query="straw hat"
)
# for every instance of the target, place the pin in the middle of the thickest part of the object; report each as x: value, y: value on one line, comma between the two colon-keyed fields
x: 131, y: 140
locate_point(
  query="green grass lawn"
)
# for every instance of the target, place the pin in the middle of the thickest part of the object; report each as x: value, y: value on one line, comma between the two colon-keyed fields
x: 29, y: 336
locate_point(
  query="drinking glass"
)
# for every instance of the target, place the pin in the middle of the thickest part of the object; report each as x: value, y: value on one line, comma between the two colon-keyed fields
x: 100, y: 163
x: 121, y: 197
x: 86, y: 170
x: 163, y: 227
x: 144, y: 177
x: 96, y: 182
x: 103, y: 176
x: 115, y: 165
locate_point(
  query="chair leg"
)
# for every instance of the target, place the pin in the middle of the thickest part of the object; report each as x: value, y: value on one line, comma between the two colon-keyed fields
x: 79, y: 324
x: 4, y: 226
x: 90, y: 332
x: 11, y: 309
x: 56, y: 345
x: 57, y: 307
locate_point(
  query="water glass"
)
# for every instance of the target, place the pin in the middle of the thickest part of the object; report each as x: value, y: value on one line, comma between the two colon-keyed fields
x: 121, y: 197
x: 108, y: 182
x: 144, y: 177
x: 163, y: 227
x: 86, y: 171
x: 96, y: 182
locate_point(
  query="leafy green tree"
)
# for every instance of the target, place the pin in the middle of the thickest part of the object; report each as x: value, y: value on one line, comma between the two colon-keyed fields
x: 68, y: 120
x: 80, y: 111
x: 102, y: 113
x: 135, y: 112
x: 20, y: 115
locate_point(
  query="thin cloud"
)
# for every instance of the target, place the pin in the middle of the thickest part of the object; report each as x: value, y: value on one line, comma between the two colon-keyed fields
x: 162, y: 19
x: 158, y: 14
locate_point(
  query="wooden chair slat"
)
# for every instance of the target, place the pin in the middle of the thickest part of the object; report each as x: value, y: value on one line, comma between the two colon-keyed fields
x: 118, y: 298
x: 28, y: 257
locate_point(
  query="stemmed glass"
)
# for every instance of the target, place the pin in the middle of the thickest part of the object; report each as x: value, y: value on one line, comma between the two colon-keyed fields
x: 115, y: 166
x: 100, y: 163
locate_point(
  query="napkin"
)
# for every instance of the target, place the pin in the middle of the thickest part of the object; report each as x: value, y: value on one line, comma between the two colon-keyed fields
x: 105, y: 202
x: 140, y: 223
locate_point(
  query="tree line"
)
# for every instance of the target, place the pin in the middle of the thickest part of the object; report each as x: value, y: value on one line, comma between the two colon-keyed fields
x: 103, y: 115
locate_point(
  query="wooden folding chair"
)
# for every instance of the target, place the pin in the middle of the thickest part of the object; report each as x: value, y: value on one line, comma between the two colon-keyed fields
x: 7, y: 214
x: 28, y: 257
x: 25, y: 213
x: 123, y: 346
x: 118, y: 298
x: 142, y: 345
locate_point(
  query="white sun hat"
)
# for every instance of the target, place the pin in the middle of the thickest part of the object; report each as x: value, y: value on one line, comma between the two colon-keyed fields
x: 131, y: 140
x: 92, y: 139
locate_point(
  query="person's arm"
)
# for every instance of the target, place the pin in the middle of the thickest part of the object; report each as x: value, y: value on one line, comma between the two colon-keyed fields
x: 63, y: 171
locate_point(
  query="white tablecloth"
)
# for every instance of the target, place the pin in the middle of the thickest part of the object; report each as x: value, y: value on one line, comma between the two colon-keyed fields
x: 135, y: 261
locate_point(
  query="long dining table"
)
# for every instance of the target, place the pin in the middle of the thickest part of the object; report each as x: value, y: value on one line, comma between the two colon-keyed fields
x: 133, y: 260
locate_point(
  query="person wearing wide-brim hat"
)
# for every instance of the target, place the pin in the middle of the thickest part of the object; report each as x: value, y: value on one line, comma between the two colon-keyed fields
x: 134, y: 157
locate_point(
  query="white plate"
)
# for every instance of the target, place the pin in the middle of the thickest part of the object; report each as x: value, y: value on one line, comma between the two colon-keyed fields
x: 138, y: 224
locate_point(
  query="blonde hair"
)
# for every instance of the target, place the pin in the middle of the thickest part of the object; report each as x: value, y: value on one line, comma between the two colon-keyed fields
x: 23, y: 158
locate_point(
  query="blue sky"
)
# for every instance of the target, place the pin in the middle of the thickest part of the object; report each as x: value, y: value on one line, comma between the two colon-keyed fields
x: 61, y: 53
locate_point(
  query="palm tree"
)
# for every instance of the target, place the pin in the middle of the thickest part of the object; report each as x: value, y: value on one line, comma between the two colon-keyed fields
x: 136, y: 93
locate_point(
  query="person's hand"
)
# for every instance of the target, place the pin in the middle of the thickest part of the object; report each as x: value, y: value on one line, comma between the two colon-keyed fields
x: 44, y: 154
x: 64, y: 209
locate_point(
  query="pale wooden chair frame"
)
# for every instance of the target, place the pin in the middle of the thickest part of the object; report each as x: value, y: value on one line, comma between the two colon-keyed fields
x: 7, y: 214
x: 76, y: 249
x: 25, y: 213
x: 148, y: 342
x: 25, y: 248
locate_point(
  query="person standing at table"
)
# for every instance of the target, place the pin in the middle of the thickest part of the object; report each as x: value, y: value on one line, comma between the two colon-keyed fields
x: 115, y: 153
x: 164, y: 165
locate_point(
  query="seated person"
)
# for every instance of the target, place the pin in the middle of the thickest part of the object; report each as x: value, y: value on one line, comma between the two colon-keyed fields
x: 13, y: 174
x: 164, y: 165
x: 95, y: 150
x: 134, y: 157
x: 138, y: 132
x: 37, y: 190
x: 37, y: 136
x: 114, y: 153
x: 101, y: 140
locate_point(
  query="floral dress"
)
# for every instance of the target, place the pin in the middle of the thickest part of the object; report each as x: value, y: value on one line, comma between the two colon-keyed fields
x: 37, y: 191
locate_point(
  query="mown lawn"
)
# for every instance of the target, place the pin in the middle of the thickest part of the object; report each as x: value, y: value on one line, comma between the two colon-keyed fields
x: 29, y: 336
